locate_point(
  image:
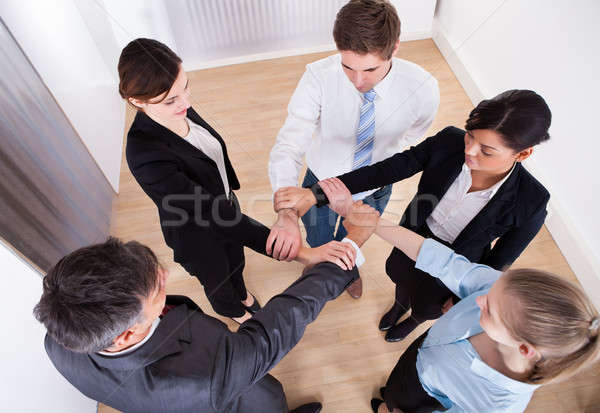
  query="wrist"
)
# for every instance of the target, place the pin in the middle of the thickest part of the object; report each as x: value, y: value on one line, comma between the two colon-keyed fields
x: 357, y: 238
x: 303, y: 256
x: 288, y: 212
x: 306, y: 202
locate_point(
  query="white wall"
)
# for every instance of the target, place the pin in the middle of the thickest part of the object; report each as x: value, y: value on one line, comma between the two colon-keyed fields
x: 75, y: 66
x: 416, y: 17
x: 29, y: 383
x: 549, y: 47
x: 139, y: 18
x: 212, y: 33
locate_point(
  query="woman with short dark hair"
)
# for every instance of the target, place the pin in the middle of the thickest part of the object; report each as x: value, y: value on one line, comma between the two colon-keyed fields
x: 473, y: 191
x: 181, y: 163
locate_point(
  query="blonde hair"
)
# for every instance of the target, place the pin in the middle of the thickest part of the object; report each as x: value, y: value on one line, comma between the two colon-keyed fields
x: 553, y: 315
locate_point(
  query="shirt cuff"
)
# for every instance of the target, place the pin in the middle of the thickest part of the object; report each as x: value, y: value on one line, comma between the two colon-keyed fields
x: 360, y: 258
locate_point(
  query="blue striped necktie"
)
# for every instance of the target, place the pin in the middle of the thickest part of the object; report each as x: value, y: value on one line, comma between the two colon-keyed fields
x: 365, y: 135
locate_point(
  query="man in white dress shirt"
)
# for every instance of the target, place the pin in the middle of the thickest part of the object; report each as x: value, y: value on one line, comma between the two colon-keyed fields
x: 353, y: 109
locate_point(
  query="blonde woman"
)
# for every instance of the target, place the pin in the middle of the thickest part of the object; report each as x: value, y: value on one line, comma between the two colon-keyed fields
x: 510, y: 333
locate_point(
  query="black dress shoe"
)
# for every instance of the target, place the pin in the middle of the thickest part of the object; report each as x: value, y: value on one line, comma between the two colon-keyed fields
x: 399, y: 332
x: 314, y: 407
x: 390, y: 318
x: 254, y: 307
x: 375, y: 404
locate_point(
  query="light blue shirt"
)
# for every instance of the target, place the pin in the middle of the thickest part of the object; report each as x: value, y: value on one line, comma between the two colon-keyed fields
x: 449, y: 368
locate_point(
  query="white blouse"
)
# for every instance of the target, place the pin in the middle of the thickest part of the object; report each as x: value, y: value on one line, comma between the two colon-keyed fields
x: 458, y: 206
x: 203, y: 140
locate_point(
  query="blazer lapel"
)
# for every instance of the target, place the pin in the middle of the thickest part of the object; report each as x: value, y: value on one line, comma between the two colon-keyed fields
x: 166, y: 136
x: 501, y: 204
x: 445, y: 174
x: 448, y: 174
x: 193, y: 115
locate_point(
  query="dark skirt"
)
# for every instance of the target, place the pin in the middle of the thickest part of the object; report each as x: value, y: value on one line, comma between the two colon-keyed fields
x: 403, y: 389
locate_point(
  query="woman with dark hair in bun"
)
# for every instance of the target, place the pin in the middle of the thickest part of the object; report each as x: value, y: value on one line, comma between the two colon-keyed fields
x: 473, y: 191
x: 181, y: 163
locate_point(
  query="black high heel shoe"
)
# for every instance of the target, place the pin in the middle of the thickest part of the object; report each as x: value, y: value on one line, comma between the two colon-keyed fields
x: 390, y: 318
x: 254, y: 307
x: 375, y: 403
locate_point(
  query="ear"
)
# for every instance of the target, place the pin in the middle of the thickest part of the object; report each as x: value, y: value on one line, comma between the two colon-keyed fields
x: 528, y: 351
x: 137, y: 103
x: 123, y: 339
x: 524, y: 154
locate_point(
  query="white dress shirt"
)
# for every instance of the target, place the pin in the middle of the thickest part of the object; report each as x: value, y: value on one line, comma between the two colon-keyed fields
x: 458, y: 206
x: 323, y: 116
x: 203, y: 140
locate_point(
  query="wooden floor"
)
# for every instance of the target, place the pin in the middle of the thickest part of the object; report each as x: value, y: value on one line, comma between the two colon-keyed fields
x: 342, y: 359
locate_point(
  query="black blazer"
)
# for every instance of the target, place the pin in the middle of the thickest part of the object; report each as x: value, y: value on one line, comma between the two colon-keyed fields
x: 188, y: 191
x: 514, y: 215
x: 193, y: 363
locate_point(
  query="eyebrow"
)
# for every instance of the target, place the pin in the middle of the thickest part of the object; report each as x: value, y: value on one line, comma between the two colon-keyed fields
x: 173, y: 97
x: 489, y: 147
x: 370, y: 68
x: 485, y: 146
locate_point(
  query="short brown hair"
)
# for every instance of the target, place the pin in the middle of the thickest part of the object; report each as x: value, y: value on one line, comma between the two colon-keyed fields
x: 367, y: 26
x: 147, y: 68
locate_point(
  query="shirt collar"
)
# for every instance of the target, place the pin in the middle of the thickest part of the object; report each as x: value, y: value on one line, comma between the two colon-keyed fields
x: 135, y: 346
x: 514, y: 386
x: 383, y: 86
x: 491, y: 191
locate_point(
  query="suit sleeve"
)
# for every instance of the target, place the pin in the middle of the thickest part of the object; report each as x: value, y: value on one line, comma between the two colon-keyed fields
x: 395, y: 168
x: 188, y: 200
x: 260, y: 343
x: 510, y: 245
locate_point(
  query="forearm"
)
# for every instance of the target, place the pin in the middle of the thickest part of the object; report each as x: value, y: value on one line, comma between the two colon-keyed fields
x: 303, y: 256
x: 407, y: 241
x: 260, y: 343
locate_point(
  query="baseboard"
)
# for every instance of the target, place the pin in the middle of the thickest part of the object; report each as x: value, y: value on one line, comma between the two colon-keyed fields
x: 460, y: 71
x: 573, y: 246
x: 257, y: 57
x: 189, y: 66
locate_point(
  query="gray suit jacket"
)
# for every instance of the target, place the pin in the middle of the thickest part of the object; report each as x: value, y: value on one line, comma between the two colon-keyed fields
x: 193, y: 363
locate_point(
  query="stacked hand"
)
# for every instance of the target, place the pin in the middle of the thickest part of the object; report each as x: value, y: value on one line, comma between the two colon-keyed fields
x: 361, y: 221
x: 290, y: 203
x: 340, y: 198
x: 341, y: 253
x: 284, y: 240
x: 299, y: 199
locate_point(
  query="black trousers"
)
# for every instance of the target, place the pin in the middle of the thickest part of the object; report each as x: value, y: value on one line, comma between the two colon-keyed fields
x: 403, y: 389
x: 223, y: 280
x: 416, y: 289
x: 221, y: 275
